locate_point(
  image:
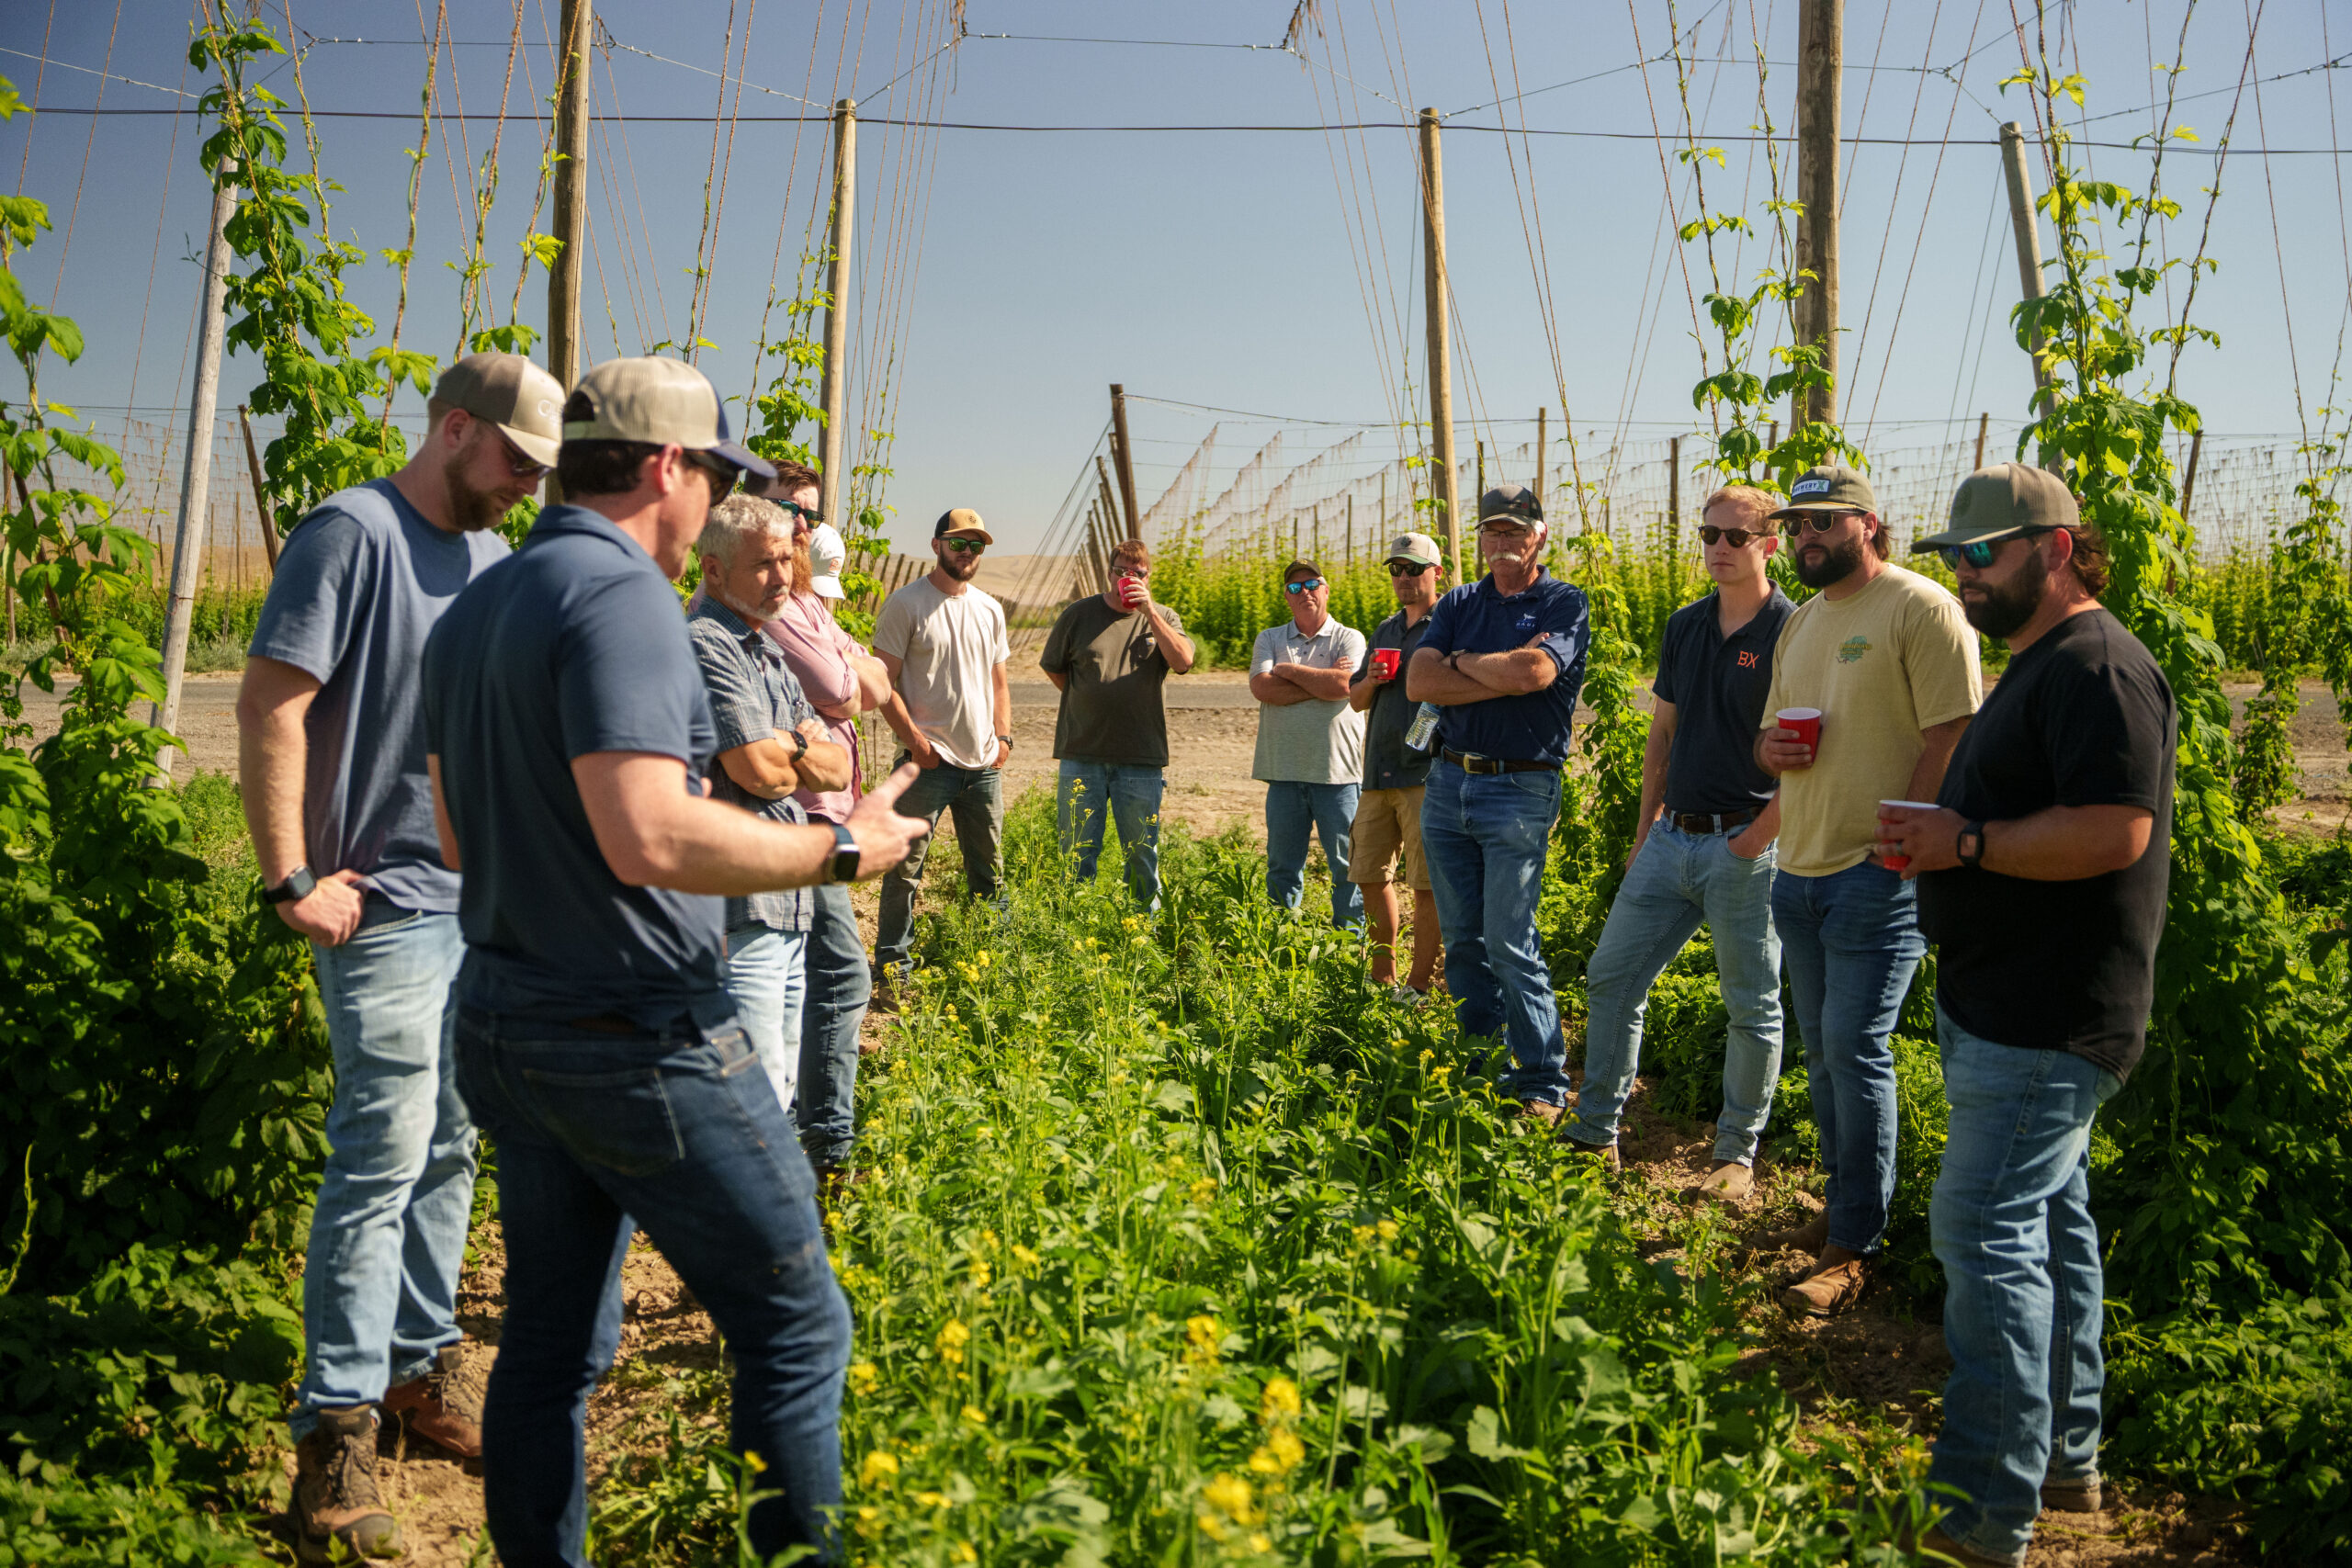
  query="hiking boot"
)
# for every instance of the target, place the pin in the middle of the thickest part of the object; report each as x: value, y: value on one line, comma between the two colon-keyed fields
x: 2082, y: 1496
x: 336, y: 1501
x: 1940, y: 1545
x: 1827, y: 1289
x: 1730, y: 1182
x: 885, y: 998
x: 1810, y: 1237
x: 1603, y: 1155
x: 439, y: 1408
x: 1540, y: 1110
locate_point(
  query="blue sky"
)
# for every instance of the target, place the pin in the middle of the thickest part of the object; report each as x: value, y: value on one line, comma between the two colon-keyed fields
x: 1268, y: 272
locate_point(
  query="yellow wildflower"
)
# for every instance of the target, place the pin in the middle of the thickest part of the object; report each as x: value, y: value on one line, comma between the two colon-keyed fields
x: 931, y: 1499
x: 1279, y: 1454
x: 863, y: 1377
x: 1364, y: 1235
x: 1261, y: 1541
x: 952, y: 1340
x: 1280, y: 1401
x: 877, y: 1468
x: 1203, y: 1190
x: 1022, y: 1254
x: 1387, y: 1229
x: 976, y: 1415
x: 981, y: 1272
x: 1230, y: 1496
x: 965, y: 1552
x: 984, y: 958
x: 987, y: 1241
x: 1201, y: 1337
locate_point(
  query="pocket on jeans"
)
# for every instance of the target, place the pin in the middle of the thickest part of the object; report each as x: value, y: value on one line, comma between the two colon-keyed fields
x: 621, y: 1120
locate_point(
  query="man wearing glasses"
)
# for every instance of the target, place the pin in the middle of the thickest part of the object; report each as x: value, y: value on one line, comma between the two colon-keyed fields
x: 332, y: 760
x: 2043, y: 873
x: 944, y: 645
x: 1503, y: 659
x: 1703, y: 850
x: 1310, y: 742
x: 1109, y: 656
x: 1388, y: 812
x: 1888, y: 663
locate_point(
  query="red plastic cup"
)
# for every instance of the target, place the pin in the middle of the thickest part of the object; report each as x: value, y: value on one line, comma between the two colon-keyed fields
x: 1130, y: 593
x: 1898, y: 863
x: 1385, y: 662
x: 1806, y: 722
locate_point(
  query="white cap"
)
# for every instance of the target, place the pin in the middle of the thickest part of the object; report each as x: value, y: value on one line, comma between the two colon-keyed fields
x: 826, y: 556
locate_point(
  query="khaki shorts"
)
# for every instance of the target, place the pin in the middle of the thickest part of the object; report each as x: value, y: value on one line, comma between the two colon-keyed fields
x: 1387, y: 821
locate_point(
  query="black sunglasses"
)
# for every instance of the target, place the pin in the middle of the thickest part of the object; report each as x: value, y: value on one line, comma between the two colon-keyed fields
x: 807, y: 515
x: 1979, y: 553
x: 1407, y: 568
x: 1741, y: 538
x: 721, y: 474
x: 521, y: 463
x: 1820, y: 522
x: 965, y: 546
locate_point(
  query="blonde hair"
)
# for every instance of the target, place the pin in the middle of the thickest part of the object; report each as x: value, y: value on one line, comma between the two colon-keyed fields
x: 737, y: 520
x: 1757, y: 503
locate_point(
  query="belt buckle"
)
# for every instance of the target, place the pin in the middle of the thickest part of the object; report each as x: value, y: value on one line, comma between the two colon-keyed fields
x: 1479, y: 764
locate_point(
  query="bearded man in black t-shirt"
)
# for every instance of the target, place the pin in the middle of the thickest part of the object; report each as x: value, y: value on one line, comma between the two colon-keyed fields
x: 2042, y: 874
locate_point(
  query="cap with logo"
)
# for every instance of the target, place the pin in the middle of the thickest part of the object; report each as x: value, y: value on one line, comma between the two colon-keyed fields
x: 1832, y: 487
x: 658, y: 401
x: 1516, y: 503
x: 961, y: 523
x: 2001, y: 502
x: 826, y: 556
x: 1417, y: 549
x: 512, y: 393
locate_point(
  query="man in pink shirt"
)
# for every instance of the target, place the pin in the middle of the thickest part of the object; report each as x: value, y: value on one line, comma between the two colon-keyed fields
x: 840, y: 681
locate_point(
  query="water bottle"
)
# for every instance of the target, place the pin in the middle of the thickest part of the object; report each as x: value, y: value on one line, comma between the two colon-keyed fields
x: 1422, y: 733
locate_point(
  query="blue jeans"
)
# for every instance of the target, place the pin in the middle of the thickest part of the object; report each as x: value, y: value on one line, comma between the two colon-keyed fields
x: 1852, y: 940
x: 1329, y: 810
x: 1485, y: 837
x: 1678, y: 880
x: 2023, y: 1285
x: 679, y: 1133
x: 387, y: 1238
x: 840, y: 985
x: 974, y: 797
x: 1086, y: 792
x: 767, y: 982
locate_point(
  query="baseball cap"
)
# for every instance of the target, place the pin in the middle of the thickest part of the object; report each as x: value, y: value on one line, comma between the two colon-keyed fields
x: 826, y: 556
x: 1515, y: 502
x: 961, y: 523
x: 658, y: 401
x: 2002, y: 501
x: 1418, y: 548
x: 512, y: 393
x: 1832, y: 487
x: 1301, y: 568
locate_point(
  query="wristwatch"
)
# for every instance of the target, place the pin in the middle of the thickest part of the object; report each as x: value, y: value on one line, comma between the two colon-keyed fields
x: 293, y: 890
x: 842, y: 867
x: 1971, y: 845
x: 800, y: 741
x: 1005, y: 741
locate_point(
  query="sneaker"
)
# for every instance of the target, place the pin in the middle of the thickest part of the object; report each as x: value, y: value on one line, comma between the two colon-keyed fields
x: 336, y: 1501
x: 1541, y: 1110
x: 1730, y: 1182
x: 2082, y: 1496
x: 1605, y: 1154
x: 439, y: 1408
x: 1827, y: 1290
x: 1411, y: 998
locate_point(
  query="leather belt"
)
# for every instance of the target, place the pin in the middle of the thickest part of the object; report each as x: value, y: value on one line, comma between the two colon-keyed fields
x: 1704, y: 823
x: 1471, y: 762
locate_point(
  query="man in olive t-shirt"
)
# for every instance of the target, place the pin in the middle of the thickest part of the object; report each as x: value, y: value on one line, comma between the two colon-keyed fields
x: 1110, y: 655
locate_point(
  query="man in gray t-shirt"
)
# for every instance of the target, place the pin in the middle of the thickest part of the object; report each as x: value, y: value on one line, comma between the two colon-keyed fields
x: 331, y: 760
x: 1310, y: 742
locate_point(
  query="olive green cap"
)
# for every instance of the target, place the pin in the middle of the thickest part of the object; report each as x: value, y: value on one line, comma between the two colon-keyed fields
x: 1832, y: 487
x: 2005, y: 499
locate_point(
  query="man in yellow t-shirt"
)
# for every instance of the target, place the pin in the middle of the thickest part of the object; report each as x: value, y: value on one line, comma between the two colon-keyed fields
x: 1889, y: 661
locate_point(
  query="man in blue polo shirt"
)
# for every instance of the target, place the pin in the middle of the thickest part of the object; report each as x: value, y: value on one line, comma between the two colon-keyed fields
x: 568, y: 734
x: 1503, y: 659
x: 1703, y: 850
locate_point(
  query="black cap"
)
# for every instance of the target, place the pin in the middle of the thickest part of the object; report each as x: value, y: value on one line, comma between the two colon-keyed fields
x: 1515, y: 502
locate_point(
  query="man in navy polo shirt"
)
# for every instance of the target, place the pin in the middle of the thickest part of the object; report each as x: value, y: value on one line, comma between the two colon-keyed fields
x: 1503, y: 659
x: 1703, y: 850
x: 567, y: 732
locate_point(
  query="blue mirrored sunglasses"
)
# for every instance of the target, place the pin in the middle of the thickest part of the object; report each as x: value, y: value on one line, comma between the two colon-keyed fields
x: 1979, y: 553
x: 1302, y: 585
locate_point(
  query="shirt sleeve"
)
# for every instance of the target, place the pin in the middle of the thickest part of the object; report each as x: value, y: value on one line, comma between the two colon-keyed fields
x: 1438, y: 633
x: 1939, y: 657
x: 1667, y: 687
x: 894, y: 625
x: 2111, y: 738
x: 1352, y: 651
x: 1003, y: 654
x: 740, y: 710
x: 1776, y: 697
x: 1267, y: 652
x: 1054, y: 659
x: 1568, y: 630
x: 326, y: 575
x: 818, y: 659
x: 797, y: 709
x: 627, y: 679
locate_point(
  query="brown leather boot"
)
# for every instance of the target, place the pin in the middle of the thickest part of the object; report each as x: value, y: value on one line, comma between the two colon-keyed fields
x: 1827, y: 1290
x: 1730, y: 1182
x: 2085, y: 1495
x: 439, y: 1408
x: 1540, y: 1110
x: 1810, y: 1237
x: 336, y: 1501
x: 1939, y: 1547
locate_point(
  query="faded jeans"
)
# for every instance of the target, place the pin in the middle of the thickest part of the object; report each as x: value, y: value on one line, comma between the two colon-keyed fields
x: 1851, y: 942
x: 2022, y: 1284
x: 1086, y: 792
x: 679, y: 1133
x: 767, y: 982
x: 975, y: 798
x: 1485, y: 837
x: 1678, y: 880
x: 840, y: 985
x: 387, y: 1238
x: 1328, y: 811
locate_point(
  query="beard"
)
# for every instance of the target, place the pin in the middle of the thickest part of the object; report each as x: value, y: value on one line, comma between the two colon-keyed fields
x: 2004, y: 607
x: 472, y: 509
x: 804, y: 569
x: 1837, y: 563
x: 961, y: 565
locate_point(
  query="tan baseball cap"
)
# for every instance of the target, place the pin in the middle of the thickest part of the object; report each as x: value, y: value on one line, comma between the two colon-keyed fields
x: 2005, y: 499
x: 961, y: 523
x: 512, y: 393
x: 660, y: 401
x: 1417, y: 549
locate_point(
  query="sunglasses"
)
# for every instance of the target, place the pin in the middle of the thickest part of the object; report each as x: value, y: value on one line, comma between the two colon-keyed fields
x: 1740, y: 538
x: 1979, y: 553
x: 521, y: 463
x: 721, y: 475
x: 965, y: 546
x: 1407, y: 568
x: 1303, y: 585
x: 807, y: 515
x: 1820, y: 522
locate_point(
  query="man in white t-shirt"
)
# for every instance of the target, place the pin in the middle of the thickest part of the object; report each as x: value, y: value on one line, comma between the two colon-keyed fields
x: 943, y: 643
x: 1310, y: 742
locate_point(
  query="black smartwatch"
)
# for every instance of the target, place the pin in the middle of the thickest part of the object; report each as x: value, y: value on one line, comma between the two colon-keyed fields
x: 293, y: 890
x: 842, y: 867
x: 1969, y: 846
x: 800, y: 741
